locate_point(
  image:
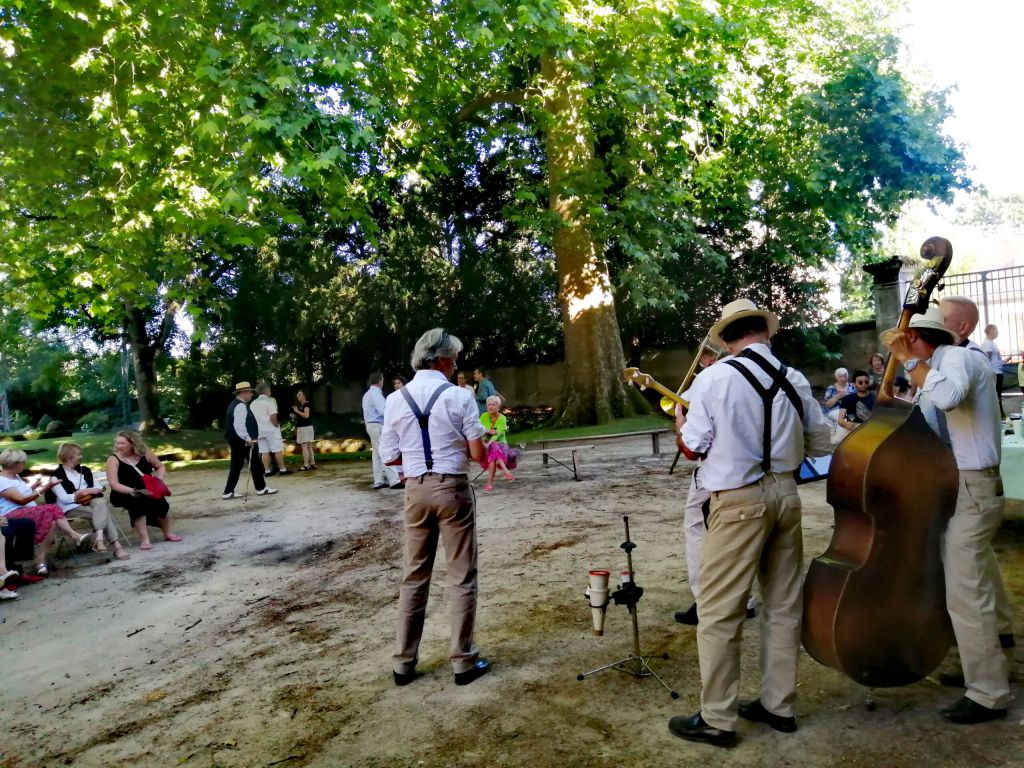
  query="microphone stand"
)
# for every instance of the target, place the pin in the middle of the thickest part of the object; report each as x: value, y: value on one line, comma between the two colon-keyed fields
x: 629, y: 594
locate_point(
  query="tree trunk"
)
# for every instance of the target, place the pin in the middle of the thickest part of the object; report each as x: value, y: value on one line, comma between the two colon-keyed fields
x: 594, y: 391
x: 144, y: 353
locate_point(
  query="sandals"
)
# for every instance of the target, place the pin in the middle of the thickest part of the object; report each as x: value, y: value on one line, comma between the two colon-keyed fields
x: 304, y: 469
x: 509, y: 476
x: 99, y: 545
x: 172, y: 537
x: 42, y: 570
x: 488, y: 487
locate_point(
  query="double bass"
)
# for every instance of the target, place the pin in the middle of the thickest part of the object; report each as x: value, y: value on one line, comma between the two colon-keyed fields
x: 874, y: 602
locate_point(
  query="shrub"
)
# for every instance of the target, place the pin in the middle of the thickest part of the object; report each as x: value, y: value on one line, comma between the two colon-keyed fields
x: 96, y: 421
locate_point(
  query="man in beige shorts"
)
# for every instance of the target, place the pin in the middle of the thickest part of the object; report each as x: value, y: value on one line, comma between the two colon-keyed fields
x: 432, y: 427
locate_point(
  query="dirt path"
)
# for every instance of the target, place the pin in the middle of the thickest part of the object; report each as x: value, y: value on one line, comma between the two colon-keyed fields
x: 264, y: 640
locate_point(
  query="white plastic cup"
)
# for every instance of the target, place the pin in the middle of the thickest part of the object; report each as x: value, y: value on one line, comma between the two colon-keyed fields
x: 598, y: 594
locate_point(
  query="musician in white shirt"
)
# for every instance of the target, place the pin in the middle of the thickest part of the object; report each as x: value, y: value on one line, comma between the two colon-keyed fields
x: 439, y: 501
x: 754, y: 520
x: 958, y: 400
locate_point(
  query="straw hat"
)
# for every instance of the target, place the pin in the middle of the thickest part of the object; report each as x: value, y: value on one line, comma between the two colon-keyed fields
x: 737, y: 310
x: 242, y: 386
x: 932, y: 319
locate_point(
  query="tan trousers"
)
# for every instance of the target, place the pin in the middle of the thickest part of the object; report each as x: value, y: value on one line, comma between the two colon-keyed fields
x: 438, y: 506
x: 754, y: 530
x: 972, y: 576
x: 98, y: 513
x: 382, y: 473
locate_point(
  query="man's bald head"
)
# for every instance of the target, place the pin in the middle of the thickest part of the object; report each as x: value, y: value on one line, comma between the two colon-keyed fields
x: 960, y: 315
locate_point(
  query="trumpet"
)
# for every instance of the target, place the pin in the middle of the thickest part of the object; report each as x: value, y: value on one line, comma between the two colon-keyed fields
x: 668, y: 404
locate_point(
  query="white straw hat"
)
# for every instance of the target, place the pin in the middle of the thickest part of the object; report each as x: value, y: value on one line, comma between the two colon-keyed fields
x: 737, y: 310
x: 932, y: 320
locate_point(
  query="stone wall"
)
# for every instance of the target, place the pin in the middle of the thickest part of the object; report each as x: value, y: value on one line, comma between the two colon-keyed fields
x: 541, y: 385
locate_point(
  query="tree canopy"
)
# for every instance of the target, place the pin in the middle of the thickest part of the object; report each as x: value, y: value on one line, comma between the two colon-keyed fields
x: 314, y: 184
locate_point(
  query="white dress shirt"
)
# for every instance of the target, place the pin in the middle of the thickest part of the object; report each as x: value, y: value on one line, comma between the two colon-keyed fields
x: 454, y: 420
x: 960, y: 382
x: 726, y: 422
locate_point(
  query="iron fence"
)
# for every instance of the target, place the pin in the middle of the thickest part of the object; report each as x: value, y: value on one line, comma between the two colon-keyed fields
x: 999, y: 294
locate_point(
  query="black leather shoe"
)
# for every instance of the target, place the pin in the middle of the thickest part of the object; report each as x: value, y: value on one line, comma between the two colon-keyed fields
x: 969, y: 712
x: 755, y: 712
x: 689, y: 616
x: 481, y: 668
x: 695, y: 729
x: 1006, y: 642
x: 404, y: 678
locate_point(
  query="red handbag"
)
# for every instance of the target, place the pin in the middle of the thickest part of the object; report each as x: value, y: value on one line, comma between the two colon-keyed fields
x: 156, y: 487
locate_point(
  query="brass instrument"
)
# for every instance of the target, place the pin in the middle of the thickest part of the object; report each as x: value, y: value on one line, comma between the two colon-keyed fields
x: 668, y: 401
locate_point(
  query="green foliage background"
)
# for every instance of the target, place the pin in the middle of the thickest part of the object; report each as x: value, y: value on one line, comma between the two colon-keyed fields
x: 314, y: 183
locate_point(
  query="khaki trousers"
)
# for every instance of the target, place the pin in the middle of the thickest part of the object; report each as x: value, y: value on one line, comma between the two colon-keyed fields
x: 98, y: 513
x: 438, y: 506
x: 382, y: 473
x: 972, y: 576
x: 693, y: 531
x: 752, y: 531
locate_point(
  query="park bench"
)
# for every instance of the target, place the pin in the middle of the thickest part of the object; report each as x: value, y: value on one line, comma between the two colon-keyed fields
x: 655, y: 435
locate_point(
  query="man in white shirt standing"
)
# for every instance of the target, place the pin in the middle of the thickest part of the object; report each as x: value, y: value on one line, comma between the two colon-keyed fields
x: 433, y: 428
x: 988, y: 346
x: 264, y: 408
x: 384, y: 476
x: 958, y: 400
x: 752, y: 420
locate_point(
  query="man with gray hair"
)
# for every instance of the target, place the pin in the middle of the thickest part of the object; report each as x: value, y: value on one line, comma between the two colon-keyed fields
x: 373, y: 418
x: 269, y: 440
x: 433, y: 428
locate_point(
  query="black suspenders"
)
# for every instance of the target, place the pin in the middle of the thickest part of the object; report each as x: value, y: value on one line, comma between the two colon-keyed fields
x: 423, y: 417
x: 779, y: 381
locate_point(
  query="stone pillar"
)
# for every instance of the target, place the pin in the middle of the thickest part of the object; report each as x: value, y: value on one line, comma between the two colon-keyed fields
x: 886, y: 292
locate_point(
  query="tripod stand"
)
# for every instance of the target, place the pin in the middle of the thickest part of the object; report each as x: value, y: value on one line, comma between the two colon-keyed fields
x: 629, y: 594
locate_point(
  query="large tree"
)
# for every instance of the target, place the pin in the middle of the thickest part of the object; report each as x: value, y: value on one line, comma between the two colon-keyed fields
x: 143, y: 148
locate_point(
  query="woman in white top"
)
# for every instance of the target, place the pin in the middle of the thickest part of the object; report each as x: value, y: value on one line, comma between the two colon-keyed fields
x: 18, y: 499
x: 988, y: 346
x: 80, y: 495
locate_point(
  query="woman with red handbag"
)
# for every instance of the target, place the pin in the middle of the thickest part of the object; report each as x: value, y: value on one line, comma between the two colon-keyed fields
x: 135, y: 476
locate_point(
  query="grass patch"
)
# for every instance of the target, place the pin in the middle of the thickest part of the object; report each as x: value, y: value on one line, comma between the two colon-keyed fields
x: 619, y: 426
x: 195, y: 448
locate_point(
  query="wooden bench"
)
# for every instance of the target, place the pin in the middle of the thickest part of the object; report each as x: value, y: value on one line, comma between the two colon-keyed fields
x: 571, y: 449
x: 655, y: 435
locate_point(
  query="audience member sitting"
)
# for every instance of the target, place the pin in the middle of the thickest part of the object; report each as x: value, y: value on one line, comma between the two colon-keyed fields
x: 125, y: 467
x: 835, y: 392
x: 5, y: 594
x: 18, y: 544
x: 499, y: 455
x: 901, y: 388
x: 77, y: 492
x: 876, y: 369
x: 18, y: 500
x: 855, y: 409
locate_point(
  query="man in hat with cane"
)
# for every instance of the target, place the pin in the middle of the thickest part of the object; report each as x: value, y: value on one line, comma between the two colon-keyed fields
x: 958, y: 401
x: 241, y: 431
x: 752, y: 420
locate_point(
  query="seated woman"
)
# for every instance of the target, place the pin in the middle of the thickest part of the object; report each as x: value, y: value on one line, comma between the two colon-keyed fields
x: 18, y: 500
x: 835, y: 392
x: 78, y: 494
x: 125, y: 467
x: 499, y: 455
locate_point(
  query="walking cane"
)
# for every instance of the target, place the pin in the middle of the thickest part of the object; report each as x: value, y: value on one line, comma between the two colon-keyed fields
x: 248, y: 474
